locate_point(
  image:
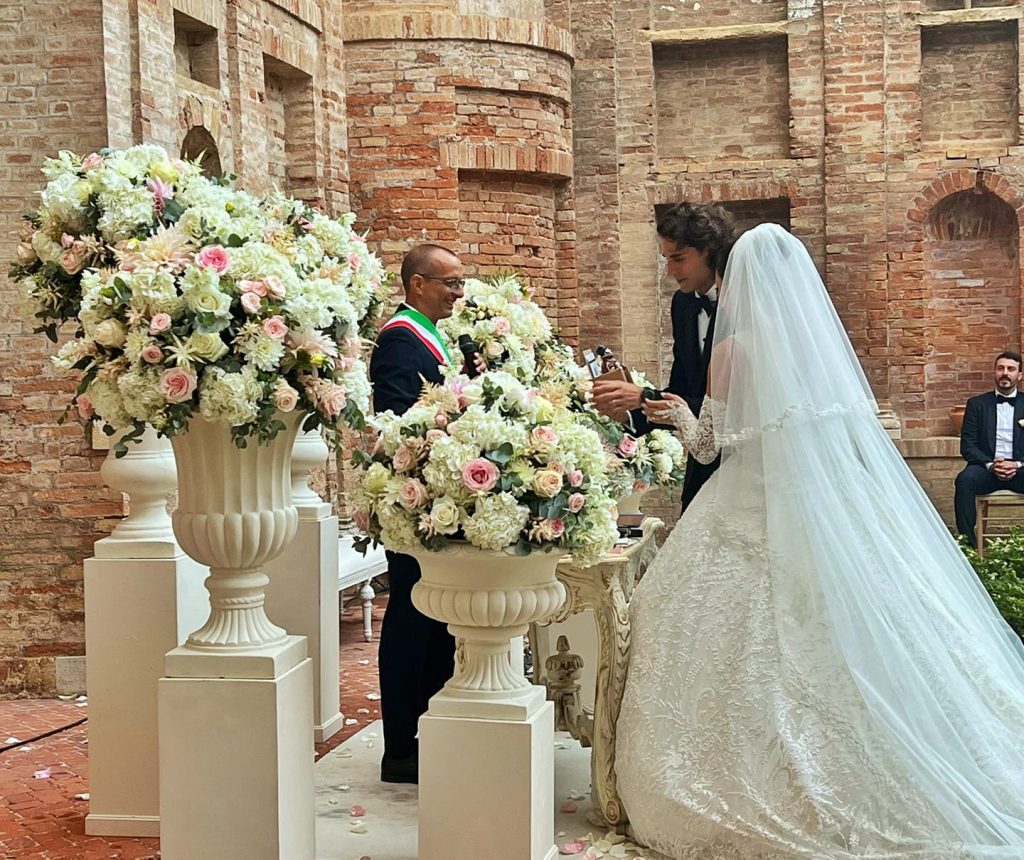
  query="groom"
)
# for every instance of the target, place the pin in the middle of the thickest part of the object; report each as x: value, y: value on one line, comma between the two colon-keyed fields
x: 693, y: 238
x: 416, y: 654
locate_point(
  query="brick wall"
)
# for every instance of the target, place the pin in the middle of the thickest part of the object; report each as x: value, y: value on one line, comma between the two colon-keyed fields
x: 112, y: 73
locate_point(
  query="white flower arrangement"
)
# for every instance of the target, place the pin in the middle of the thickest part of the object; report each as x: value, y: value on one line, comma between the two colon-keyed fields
x: 191, y: 296
x: 489, y: 461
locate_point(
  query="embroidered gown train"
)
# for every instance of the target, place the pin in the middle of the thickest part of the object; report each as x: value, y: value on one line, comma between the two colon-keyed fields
x: 815, y: 671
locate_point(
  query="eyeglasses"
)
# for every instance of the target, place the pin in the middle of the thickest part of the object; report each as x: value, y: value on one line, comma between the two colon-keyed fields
x: 452, y: 284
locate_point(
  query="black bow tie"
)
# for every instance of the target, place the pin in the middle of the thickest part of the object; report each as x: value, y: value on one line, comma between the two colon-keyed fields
x: 1009, y: 400
x: 706, y: 304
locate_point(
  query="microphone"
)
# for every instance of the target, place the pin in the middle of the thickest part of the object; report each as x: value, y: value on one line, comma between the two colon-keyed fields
x: 469, y: 350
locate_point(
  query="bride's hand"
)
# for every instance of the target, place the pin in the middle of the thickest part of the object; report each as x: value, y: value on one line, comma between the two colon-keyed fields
x: 660, y: 411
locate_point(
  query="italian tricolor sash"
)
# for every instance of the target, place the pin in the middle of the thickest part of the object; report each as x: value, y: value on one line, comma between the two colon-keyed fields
x: 423, y: 328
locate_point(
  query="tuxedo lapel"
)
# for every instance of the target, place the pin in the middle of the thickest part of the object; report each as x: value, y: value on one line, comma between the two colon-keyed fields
x: 1018, y: 430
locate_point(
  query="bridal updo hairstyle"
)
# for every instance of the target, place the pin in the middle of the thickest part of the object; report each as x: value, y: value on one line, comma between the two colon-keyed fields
x: 707, y: 227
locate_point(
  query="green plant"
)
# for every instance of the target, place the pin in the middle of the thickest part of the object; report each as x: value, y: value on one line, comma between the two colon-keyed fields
x: 1001, y: 571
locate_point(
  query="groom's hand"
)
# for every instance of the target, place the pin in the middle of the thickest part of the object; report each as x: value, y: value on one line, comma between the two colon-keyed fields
x: 615, y: 398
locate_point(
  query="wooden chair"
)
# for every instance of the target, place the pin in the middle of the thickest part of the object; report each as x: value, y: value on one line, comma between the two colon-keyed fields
x: 993, y: 522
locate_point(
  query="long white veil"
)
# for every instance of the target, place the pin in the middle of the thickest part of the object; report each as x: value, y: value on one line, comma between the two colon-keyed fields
x: 851, y: 535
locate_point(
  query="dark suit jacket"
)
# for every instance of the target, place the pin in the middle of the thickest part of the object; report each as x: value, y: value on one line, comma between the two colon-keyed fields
x: 398, y: 367
x: 688, y: 379
x: 978, y: 436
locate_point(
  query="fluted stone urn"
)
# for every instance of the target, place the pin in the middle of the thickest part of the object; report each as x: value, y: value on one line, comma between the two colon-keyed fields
x: 235, y: 513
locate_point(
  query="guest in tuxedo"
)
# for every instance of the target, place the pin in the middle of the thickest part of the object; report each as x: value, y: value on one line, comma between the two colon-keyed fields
x: 416, y: 654
x: 992, y: 443
x: 695, y: 239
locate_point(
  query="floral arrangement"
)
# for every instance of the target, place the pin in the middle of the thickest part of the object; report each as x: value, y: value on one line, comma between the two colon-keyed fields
x: 515, y: 336
x: 489, y: 461
x: 193, y: 297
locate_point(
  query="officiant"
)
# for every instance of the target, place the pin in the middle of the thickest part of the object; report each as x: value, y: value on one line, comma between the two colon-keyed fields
x: 694, y: 239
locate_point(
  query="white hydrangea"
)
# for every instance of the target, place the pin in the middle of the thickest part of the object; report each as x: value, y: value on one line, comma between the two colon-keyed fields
x: 141, y: 395
x: 496, y: 522
x: 153, y: 291
x: 229, y: 397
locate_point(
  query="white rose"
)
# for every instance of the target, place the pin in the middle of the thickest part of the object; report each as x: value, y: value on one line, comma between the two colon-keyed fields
x: 376, y: 479
x: 208, y: 347
x: 109, y: 333
x: 444, y: 516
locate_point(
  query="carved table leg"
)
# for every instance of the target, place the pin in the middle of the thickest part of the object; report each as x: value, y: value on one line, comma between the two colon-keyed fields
x: 366, y: 595
x: 611, y: 613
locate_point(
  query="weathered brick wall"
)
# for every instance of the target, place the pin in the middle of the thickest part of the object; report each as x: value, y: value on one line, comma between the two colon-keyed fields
x: 460, y: 134
x: 112, y: 73
x: 53, y: 504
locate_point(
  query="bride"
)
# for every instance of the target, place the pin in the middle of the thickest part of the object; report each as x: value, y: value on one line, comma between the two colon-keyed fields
x: 816, y: 671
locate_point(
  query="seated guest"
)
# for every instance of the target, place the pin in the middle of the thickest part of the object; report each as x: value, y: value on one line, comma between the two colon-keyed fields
x: 992, y: 443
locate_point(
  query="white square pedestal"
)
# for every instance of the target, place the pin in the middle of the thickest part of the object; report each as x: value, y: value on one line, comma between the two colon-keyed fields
x: 136, y: 610
x: 302, y: 597
x: 486, y: 783
x: 236, y: 755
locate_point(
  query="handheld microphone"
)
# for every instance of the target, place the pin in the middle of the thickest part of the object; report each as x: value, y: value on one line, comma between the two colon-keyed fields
x: 469, y: 350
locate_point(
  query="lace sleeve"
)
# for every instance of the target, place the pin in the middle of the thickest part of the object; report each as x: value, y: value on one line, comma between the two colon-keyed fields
x: 697, y: 434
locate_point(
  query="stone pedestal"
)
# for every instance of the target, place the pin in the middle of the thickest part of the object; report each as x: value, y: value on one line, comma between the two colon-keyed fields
x: 507, y: 767
x: 236, y: 759
x: 303, y: 598
x: 136, y: 611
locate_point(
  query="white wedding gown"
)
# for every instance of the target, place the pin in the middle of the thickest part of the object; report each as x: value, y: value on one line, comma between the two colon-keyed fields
x: 806, y: 678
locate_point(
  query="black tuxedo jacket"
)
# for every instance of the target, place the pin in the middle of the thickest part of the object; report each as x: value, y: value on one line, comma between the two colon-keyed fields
x: 688, y: 379
x: 978, y: 436
x: 399, y: 365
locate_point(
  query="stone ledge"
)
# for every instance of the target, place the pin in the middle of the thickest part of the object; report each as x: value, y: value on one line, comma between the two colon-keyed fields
x: 446, y: 26
x: 970, y: 16
x: 697, y: 35
x: 307, y: 11
x: 211, y: 14
x: 944, y: 447
x: 468, y: 155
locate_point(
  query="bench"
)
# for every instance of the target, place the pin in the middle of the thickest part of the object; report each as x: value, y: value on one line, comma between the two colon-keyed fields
x: 357, y: 570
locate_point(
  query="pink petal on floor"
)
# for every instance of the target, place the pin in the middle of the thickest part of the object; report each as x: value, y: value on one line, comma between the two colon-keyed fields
x: 357, y: 812
x: 575, y: 847
x: 42, y: 774
x: 568, y: 806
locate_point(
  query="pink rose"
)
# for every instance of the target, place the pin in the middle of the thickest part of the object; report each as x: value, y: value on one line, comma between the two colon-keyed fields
x: 502, y: 326
x: 547, y: 483
x: 152, y: 354
x: 85, y: 408
x: 575, y: 478
x: 640, y: 486
x: 479, y: 475
x: 67, y: 240
x: 555, y: 466
x: 73, y: 259
x: 556, y: 527
x: 441, y: 419
x: 213, y: 257
x: 406, y: 457
x: 92, y: 161
x: 275, y: 327
x: 576, y: 502
x: 251, y: 302
x: 274, y: 286
x: 285, y: 397
x: 332, y: 400
x: 412, y: 495
x: 159, y: 323
x: 543, y: 437
x: 362, y: 519
x: 177, y: 385
x: 627, y: 447
x: 257, y: 287
x: 354, y: 261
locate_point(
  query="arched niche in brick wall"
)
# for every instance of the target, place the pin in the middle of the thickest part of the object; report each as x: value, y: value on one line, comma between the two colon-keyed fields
x: 972, y: 297
x: 199, y: 143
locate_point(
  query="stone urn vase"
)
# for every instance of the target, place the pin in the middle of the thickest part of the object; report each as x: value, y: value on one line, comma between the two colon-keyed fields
x: 486, y: 598
x: 234, y: 514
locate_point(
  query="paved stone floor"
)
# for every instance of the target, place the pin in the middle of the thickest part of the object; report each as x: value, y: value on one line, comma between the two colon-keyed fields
x: 44, y: 773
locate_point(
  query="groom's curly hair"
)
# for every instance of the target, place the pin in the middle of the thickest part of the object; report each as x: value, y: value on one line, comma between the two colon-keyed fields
x: 704, y: 226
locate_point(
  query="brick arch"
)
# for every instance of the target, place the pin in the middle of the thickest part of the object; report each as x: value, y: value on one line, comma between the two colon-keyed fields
x: 199, y: 142
x: 965, y: 179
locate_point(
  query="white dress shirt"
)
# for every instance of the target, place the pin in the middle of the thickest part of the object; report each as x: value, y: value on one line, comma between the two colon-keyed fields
x: 1004, y: 428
